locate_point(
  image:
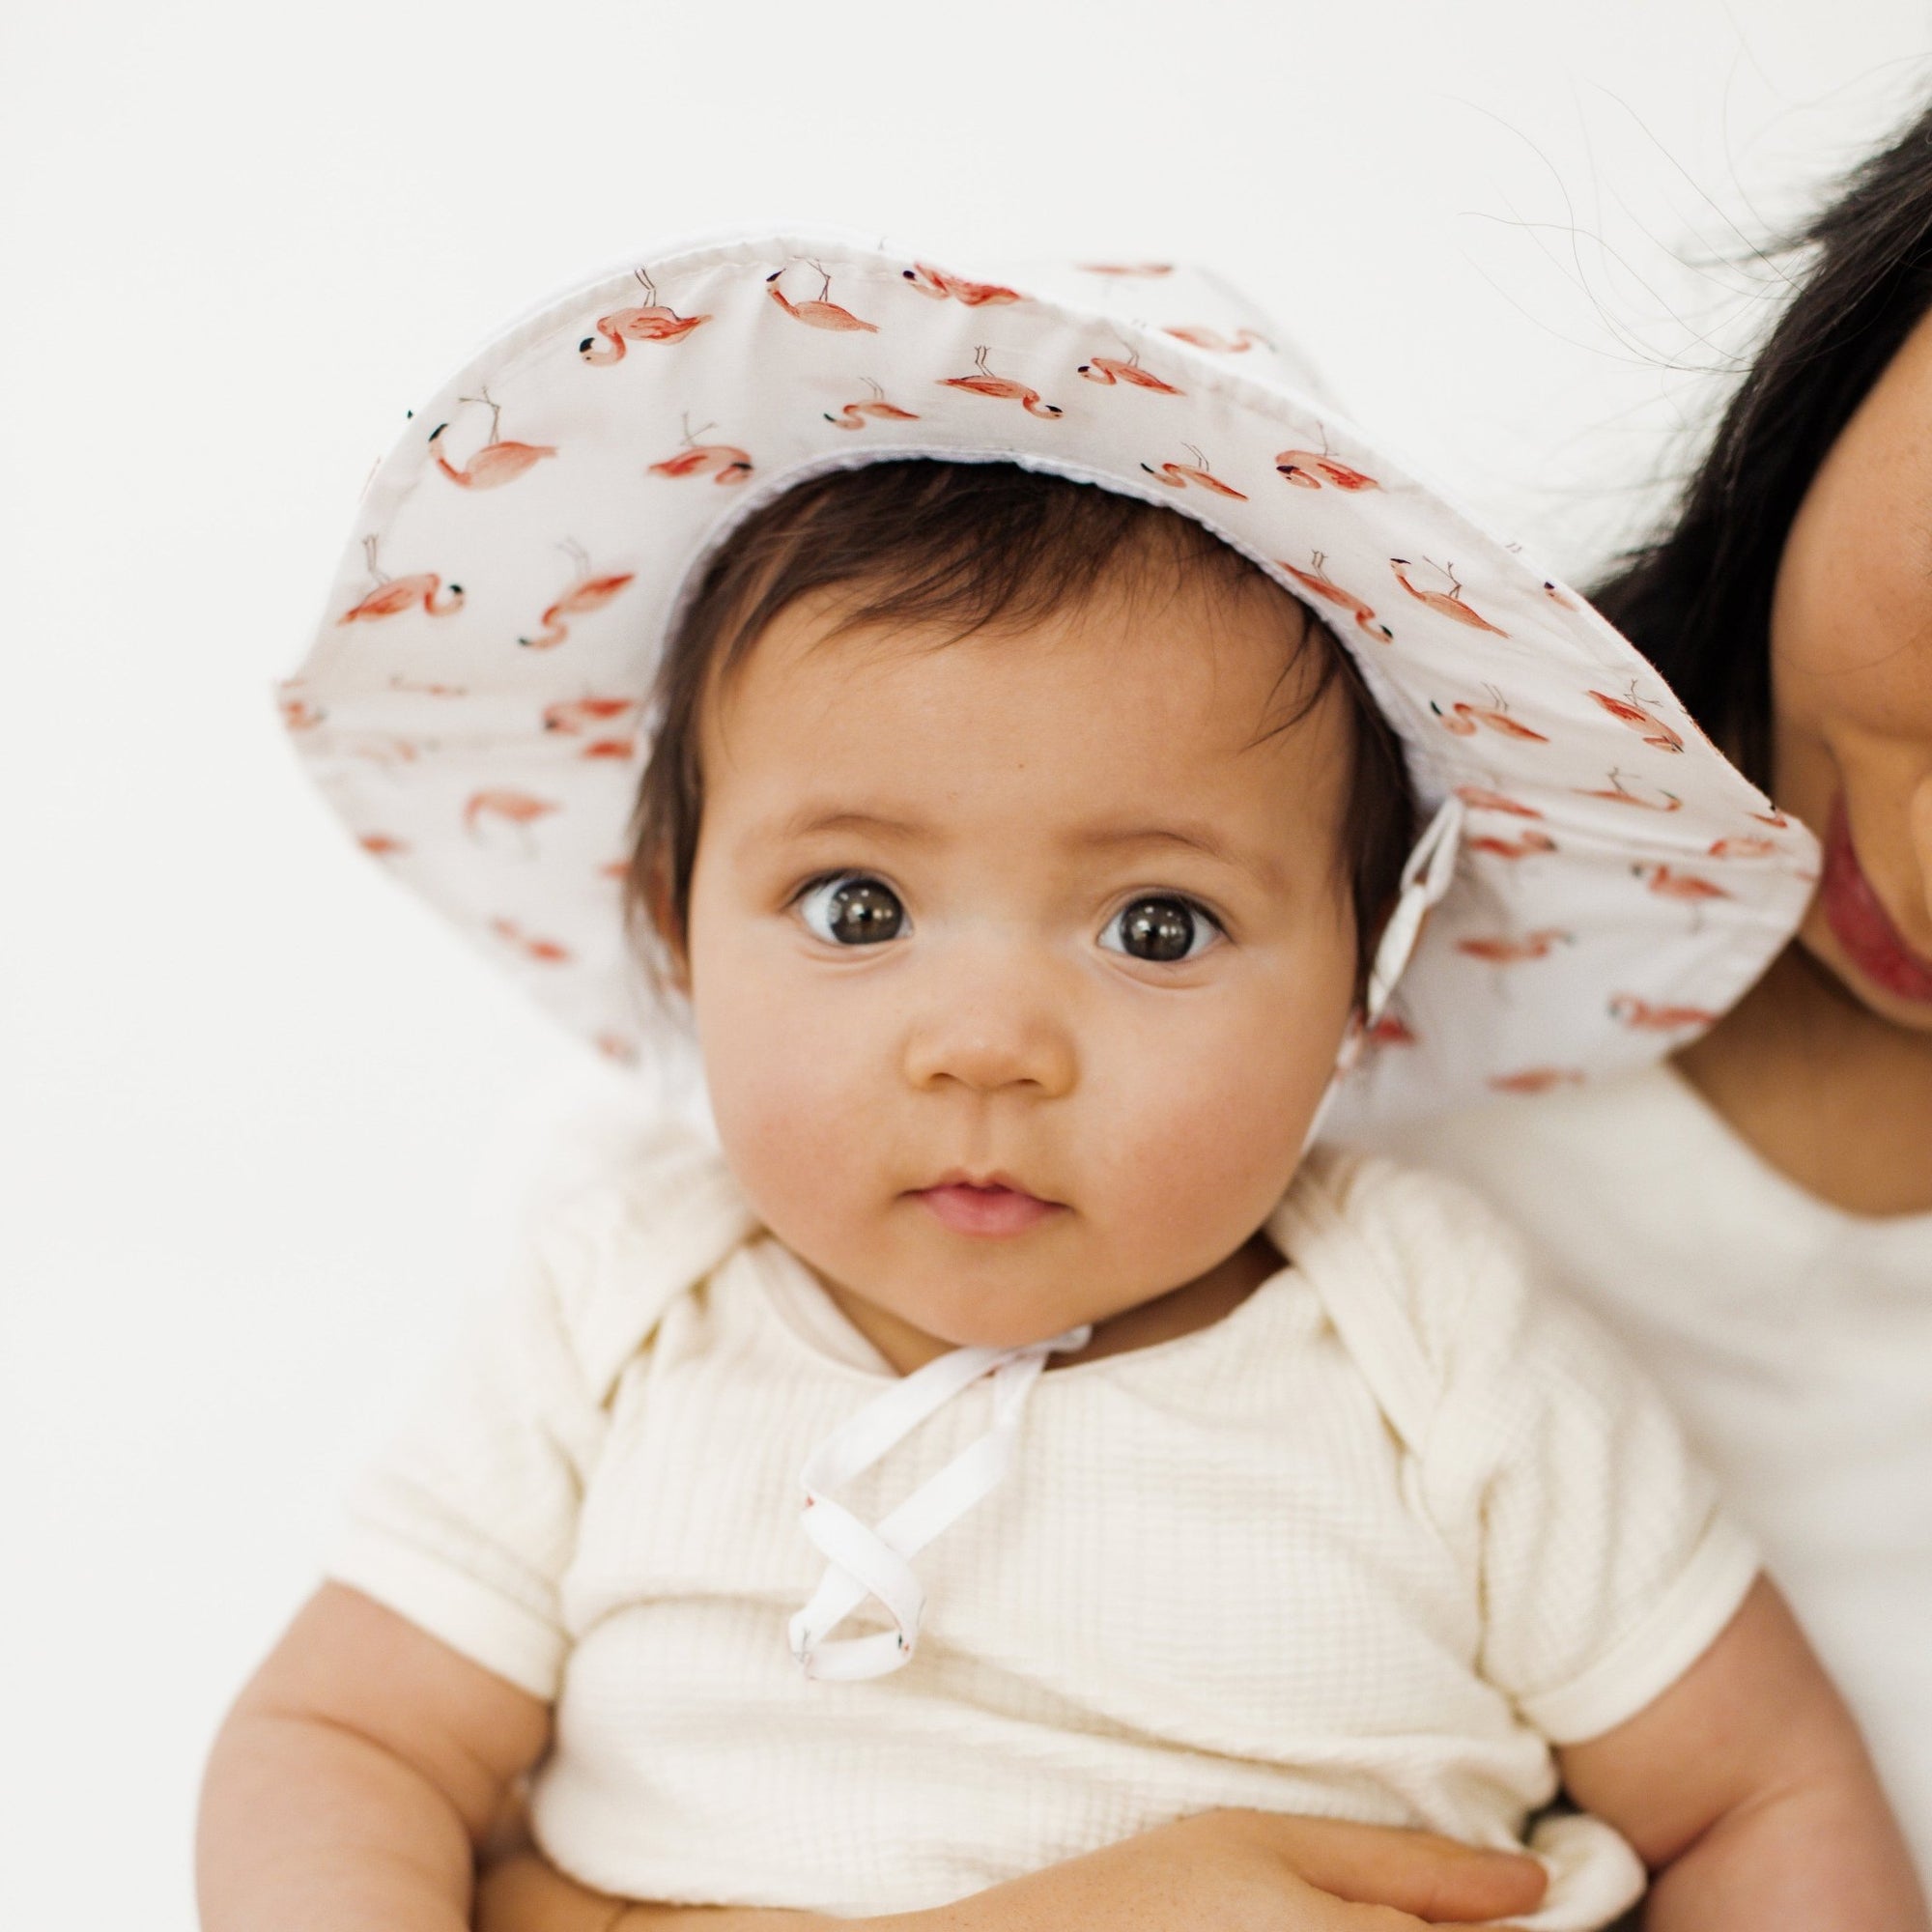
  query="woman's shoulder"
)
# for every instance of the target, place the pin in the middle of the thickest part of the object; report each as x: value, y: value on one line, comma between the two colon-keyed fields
x: 1638, y: 1146
x: 1639, y: 1173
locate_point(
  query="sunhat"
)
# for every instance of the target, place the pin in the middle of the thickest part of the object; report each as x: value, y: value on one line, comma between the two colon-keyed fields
x: 474, y: 701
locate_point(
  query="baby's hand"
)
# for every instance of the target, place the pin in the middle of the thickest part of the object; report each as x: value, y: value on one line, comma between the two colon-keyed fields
x: 1223, y: 1871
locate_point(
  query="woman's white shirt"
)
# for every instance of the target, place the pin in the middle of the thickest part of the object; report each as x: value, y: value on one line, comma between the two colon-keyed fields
x: 1795, y: 1340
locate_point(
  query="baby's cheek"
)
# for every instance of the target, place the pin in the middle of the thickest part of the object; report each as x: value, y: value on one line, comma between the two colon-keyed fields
x: 786, y: 1098
x: 1202, y: 1145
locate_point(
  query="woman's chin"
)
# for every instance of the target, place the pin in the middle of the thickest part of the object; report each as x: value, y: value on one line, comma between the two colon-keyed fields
x: 1823, y: 948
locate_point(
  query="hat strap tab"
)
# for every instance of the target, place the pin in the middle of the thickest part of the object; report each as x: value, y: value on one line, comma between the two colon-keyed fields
x: 1426, y: 877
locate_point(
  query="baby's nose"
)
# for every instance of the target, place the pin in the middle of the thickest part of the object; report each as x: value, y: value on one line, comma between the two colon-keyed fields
x: 996, y: 1030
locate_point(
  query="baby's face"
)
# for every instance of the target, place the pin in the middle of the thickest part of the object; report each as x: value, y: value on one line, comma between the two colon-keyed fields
x: 1021, y: 962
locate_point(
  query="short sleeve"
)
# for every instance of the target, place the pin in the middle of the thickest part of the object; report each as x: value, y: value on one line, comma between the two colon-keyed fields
x: 467, y: 1523
x: 1606, y: 1566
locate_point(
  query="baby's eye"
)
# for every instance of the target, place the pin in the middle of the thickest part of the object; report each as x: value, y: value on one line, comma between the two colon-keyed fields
x: 1162, y: 928
x: 849, y: 909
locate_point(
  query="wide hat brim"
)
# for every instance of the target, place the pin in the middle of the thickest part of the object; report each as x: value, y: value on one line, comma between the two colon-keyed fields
x: 473, y: 702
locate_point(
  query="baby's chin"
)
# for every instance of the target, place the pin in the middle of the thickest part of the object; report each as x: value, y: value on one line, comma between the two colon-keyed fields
x: 987, y: 1323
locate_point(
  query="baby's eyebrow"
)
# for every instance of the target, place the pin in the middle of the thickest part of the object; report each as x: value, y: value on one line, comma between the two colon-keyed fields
x: 808, y: 821
x: 1189, y: 837
x: 1264, y: 868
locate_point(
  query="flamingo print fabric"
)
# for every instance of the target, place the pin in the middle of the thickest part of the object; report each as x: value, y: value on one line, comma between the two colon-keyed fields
x: 473, y: 702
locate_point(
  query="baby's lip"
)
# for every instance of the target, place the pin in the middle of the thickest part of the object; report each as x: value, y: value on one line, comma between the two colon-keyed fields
x: 984, y: 1182
x: 985, y: 1204
x: 1861, y: 923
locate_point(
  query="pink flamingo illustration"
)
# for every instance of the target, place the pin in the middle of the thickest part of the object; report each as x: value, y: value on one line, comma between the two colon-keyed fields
x: 497, y: 463
x: 1390, y: 1030
x: 1514, y: 951
x: 1309, y: 470
x: 853, y: 414
x: 1640, y: 1017
x: 1749, y: 846
x: 380, y: 845
x: 1463, y: 719
x: 1323, y: 585
x: 1112, y: 369
x: 1667, y: 884
x: 1653, y: 730
x: 299, y: 715
x: 580, y: 717
x: 382, y: 749
x: 393, y: 595
x: 1536, y: 1080
x: 591, y: 591
x: 1445, y: 603
x: 1148, y: 271
x: 1179, y: 475
x: 1479, y: 799
x: 516, y: 808
x: 938, y: 284
x: 722, y: 462
x: 1686, y: 888
x: 1528, y: 846
x: 651, y: 323
x: 1619, y: 793
x: 576, y: 716
x: 1557, y: 595
x: 1773, y: 818
x: 614, y: 1047
x: 821, y: 313
x: 545, y: 952
x: 1002, y: 388
x: 1202, y: 338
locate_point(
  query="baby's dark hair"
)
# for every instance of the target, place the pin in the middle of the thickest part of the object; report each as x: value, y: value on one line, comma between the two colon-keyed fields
x: 967, y: 547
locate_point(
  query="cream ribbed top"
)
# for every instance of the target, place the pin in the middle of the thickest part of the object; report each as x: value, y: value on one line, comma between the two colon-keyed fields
x: 1361, y: 1548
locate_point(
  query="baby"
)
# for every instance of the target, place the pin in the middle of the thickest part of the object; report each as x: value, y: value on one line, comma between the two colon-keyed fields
x: 1029, y: 860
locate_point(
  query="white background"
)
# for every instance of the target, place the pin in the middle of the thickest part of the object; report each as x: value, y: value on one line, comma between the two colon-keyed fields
x: 261, y: 1118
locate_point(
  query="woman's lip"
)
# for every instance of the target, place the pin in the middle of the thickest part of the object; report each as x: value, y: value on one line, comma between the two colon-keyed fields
x: 1861, y: 923
x: 992, y: 1210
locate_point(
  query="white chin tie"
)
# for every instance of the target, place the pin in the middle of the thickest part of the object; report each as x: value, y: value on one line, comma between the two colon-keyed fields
x: 865, y: 1561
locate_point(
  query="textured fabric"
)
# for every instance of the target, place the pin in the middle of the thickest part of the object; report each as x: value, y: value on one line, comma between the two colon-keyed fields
x: 474, y: 698
x: 1794, y: 1339
x: 1362, y: 1549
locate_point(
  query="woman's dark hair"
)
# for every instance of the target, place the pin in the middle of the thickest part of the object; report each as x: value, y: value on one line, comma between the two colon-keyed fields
x: 970, y: 547
x: 1697, y: 601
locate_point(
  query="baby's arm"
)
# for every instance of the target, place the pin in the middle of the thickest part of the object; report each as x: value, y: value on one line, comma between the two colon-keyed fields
x: 355, y: 1778
x: 1746, y: 1789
